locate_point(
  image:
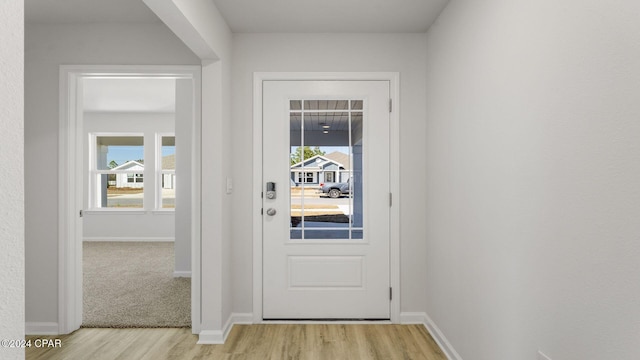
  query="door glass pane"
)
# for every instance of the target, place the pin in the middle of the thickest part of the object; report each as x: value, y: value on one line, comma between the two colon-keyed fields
x: 356, y: 174
x: 325, y: 156
x: 326, y: 105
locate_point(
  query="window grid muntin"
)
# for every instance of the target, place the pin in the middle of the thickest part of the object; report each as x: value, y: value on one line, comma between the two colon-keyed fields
x: 300, y: 108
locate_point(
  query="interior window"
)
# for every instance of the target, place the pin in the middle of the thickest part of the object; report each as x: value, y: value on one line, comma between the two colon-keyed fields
x: 117, y: 172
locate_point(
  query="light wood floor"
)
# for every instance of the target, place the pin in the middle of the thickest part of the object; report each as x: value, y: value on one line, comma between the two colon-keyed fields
x: 248, y: 342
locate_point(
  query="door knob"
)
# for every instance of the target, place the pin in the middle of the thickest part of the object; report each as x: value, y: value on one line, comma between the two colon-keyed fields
x: 271, y: 211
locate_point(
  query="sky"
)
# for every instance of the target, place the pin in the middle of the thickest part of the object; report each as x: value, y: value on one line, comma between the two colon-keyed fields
x: 122, y: 154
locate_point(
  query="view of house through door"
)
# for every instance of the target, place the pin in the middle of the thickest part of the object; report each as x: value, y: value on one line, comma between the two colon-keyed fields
x: 326, y: 200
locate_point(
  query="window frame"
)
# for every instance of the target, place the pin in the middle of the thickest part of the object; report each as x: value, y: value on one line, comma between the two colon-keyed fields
x: 160, y: 172
x: 94, y: 199
x: 304, y: 176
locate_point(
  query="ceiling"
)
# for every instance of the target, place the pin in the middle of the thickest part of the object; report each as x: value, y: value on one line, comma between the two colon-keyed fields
x: 260, y: 16
x: 333, y: 16
x: 129, y: 95
x: 87, y: 11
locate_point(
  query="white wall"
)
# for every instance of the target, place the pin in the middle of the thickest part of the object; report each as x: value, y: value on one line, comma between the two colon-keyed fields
x: 404, y: 53
x: 533, y: 169
x: 99, y: 225
x: 201, y: 26
x: 11, y: 176
x: 184, y: 158
x: 216, y: 163
x: 47, y: 47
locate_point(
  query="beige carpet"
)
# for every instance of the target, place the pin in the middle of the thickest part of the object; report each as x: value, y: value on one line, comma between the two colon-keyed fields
x: 131, y: 284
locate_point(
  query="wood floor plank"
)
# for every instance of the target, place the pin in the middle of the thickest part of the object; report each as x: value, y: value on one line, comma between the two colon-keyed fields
x: 249, y: 342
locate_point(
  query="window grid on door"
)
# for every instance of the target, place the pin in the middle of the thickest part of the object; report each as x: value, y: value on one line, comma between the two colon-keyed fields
x: 333, y: 120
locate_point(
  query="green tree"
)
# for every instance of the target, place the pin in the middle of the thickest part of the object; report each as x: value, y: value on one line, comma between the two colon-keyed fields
x: 113, y: 164
x: 308, y: 152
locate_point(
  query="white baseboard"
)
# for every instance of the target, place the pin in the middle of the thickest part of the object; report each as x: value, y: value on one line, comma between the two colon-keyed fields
x: 326, y: 322
x: 236, y: 319
x: 210, y: 337
x: 129, y: 239
x: 432, y: 328
x: 220, y: 336
x: 41, y: 328
x: 413, y: 318
x: 177, y: 274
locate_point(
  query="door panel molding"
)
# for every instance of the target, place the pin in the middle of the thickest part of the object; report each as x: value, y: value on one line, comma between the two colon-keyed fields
x: 394, y: 254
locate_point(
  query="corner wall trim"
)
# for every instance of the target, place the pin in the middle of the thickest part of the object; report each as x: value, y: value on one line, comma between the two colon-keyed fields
x: 41, y: 328
x: 432, y: 328
x: 220, y: 336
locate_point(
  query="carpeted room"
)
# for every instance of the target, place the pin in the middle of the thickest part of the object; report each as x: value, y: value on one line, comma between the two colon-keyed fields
x: 131, y: 284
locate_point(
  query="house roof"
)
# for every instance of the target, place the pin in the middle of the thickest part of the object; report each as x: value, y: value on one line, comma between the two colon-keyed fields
x: 309, y: 159
x: 168, y: 163
x: 341, y: 158
x: 335, y: 157
x: 128, y: 164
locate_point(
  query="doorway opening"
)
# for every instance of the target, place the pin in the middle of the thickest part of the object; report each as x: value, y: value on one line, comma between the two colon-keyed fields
x: 129, y: 166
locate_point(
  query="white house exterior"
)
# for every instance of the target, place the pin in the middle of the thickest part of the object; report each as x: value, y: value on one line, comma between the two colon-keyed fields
x: 168, y: 180
x: 134, y: 178
x: 333, y: 167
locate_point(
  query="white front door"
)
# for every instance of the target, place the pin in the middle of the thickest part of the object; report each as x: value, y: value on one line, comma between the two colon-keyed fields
x: 326, y: 250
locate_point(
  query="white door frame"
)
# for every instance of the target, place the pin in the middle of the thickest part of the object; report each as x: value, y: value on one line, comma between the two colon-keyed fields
x: 394, y: 156
x: 70, y: 183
